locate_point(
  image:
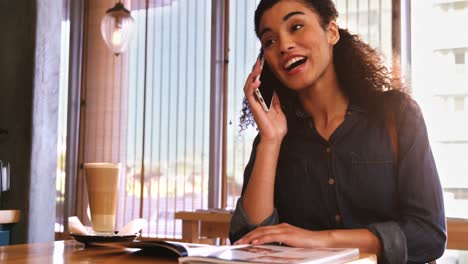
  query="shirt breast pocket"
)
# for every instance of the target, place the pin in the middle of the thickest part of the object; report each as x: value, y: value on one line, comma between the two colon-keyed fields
x: 374, y: 180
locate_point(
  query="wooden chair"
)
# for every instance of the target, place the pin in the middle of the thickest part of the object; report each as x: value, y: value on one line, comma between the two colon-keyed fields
x: 457, y: 233
x: 209, y: 227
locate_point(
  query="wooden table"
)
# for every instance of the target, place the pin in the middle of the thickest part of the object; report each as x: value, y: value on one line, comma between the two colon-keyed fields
x: 70, y: 251
x: 73, y: 252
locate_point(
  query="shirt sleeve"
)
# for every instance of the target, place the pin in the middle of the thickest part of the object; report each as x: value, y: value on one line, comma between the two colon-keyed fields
x: 240, y: 223
x: 419, y: 235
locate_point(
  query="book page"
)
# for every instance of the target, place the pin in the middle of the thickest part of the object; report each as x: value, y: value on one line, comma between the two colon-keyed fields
x: 199, y: 249
x: 279, y: 254
x: 206, y: 250
x: 181, y: 248
x: 165, y: 248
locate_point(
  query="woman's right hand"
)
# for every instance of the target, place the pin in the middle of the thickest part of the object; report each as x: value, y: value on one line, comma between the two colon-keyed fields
x: 272, y: 125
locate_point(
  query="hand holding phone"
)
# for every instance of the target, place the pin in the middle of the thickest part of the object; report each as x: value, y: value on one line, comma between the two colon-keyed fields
x: 272, y: 124
x: 264, y: 92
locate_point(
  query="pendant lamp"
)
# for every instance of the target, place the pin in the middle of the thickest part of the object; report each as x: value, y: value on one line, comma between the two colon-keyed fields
x: 117, y: 28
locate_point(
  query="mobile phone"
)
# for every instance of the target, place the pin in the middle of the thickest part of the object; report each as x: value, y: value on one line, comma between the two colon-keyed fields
x: 264, y: 92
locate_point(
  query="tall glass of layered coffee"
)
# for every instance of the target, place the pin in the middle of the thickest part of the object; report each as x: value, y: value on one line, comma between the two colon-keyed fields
x: 102, y: 182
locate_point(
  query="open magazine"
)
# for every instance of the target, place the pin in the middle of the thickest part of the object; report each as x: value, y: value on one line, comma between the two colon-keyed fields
x: 167, y: 249
x: 275, y: 254
x: 190, y: 253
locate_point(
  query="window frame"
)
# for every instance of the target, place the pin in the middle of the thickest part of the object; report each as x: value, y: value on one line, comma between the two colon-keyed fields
x: 77, y: 8
x: 217, y: 178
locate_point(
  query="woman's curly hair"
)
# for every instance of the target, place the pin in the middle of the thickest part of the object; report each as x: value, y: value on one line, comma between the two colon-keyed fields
x: 360, y: 70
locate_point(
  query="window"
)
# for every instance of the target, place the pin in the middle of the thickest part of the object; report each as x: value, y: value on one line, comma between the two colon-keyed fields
x: 439, y: 85
x: 176, y: 118
x: 459, y: 57
x: 149, y: 110
x: 62, y: 116
x: 371, y: 20
x: 243, y: 50
x: 459, y: 60
x: 459, y: 102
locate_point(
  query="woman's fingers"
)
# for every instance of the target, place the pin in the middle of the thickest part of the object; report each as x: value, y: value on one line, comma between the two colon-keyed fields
x: 276, y: 104
x: 277, y: 235
x: 271, y: 125
x: 251, y: 84
x: 282, y: 233
x: 253, y: 76
x: 262, y: 235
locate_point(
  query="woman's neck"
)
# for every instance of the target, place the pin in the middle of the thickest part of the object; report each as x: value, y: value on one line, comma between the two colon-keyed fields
x: 325, y: 101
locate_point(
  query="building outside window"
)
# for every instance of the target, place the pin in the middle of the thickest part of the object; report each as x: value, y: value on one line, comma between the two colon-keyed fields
x: 439, y: 84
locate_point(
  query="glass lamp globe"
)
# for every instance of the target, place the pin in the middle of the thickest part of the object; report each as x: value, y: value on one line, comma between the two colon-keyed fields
x: 117, y: 28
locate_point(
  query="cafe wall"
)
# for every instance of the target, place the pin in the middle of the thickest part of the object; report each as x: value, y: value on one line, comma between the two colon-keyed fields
x: 29, y: 80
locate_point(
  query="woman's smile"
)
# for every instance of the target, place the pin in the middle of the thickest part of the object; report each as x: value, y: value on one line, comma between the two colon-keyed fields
x: 296, y: 65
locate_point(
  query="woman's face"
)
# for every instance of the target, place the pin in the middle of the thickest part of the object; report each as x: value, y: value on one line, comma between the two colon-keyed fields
x: 297, y: 48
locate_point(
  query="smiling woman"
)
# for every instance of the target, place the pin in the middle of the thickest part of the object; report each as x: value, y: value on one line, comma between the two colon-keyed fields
x: 316, y: 177
x: 370, y: 19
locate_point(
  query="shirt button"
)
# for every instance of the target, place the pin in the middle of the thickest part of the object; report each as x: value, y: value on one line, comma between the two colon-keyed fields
x: 338, y: 218
x: 328, y: 150
x: 331, y: 181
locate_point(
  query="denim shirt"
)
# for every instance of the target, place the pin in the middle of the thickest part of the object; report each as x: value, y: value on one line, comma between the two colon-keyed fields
x: 352, y: 181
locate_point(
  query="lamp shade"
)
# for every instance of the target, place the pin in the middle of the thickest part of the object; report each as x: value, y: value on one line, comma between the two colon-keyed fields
x: 117, y: 28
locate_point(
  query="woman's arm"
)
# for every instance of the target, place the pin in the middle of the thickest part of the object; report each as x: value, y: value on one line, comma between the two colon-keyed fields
x: 363, y: 239
x: 421, y: 206
x: 240, y: 222
x: 418, y: 233
x: 256, y: 204
x: 258, y: 196
x: 257, y: 199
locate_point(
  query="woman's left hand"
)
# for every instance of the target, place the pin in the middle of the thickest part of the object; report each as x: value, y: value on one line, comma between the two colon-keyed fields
x: 285, y: 234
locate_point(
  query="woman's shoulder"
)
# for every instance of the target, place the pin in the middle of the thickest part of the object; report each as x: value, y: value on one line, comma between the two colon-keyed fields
x: 400, y: 104
x: 397, y: 97
x: 403, y: 111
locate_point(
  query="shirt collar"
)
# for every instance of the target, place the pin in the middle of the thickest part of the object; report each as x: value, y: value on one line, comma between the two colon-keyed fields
x: 300, y: 113
x: 356, y: 108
